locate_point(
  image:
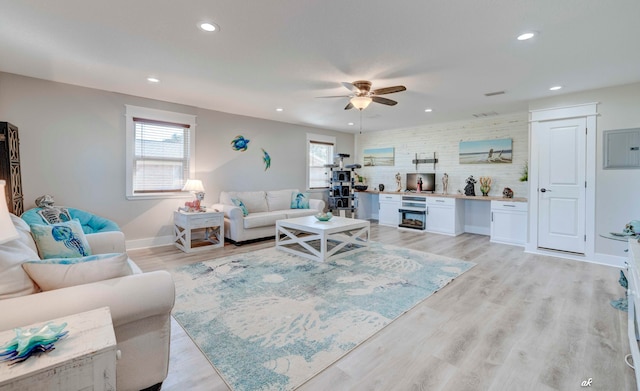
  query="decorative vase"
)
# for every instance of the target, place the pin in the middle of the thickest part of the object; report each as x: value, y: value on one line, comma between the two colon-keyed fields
x: 485, y: 190
x: 381, y: 187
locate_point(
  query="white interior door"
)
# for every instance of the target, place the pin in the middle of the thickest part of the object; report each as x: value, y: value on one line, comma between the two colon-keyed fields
x: 562, y: 185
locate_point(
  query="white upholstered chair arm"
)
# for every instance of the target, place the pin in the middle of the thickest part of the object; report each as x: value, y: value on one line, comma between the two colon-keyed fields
x: 231, y: 212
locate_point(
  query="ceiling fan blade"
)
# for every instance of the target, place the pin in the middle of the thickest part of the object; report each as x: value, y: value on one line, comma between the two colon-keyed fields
x: 350, y: 87
x: 349, y: 106
x: 336, y: 96
x: 384, y: 101
x: 389, y: 90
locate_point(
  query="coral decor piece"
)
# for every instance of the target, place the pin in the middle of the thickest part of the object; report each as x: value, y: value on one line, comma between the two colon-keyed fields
x: 485, y: 185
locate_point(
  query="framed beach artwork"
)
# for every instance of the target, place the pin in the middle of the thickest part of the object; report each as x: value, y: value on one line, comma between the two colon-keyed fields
x: 378, y: 157
x: 486, y: 151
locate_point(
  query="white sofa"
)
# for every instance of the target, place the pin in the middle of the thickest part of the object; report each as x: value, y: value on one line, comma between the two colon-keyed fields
x: 140, y: 306
x: 265, y: 207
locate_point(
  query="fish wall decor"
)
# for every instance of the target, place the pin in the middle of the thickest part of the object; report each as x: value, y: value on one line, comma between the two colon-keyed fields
x: 266, y: 159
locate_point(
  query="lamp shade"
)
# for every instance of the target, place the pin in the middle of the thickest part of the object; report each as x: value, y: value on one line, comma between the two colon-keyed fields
x: 360, y: 102
x: 194, y: 185
x: 7, y: 230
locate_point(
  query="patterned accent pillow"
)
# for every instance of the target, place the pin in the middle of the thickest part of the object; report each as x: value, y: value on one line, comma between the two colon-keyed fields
x: 240, y: 204
x: 56, y: 273
x: 299, y: 200
x: 61, y: 240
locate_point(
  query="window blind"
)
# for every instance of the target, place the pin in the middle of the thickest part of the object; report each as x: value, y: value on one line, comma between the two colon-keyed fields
x: 161, y: 156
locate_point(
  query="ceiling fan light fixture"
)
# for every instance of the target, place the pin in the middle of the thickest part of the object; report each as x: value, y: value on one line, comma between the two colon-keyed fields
x: 361, y: 102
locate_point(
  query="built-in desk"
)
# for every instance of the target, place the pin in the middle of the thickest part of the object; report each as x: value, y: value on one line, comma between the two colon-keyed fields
x: 505, y: 219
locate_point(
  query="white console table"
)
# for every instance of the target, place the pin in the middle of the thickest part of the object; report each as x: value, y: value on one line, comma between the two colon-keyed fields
x: 504, y: 219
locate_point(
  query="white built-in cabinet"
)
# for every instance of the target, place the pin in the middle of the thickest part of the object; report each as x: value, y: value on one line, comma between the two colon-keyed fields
x: 445, y: 215
x: 509, y: 222
x: 388, y: 213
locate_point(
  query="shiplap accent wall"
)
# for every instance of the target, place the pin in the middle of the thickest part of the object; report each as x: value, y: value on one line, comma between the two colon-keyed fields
x: 444, y: 140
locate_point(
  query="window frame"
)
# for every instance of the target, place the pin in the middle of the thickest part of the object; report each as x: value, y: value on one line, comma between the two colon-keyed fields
x: 132, y: 112
x: 319, y: 139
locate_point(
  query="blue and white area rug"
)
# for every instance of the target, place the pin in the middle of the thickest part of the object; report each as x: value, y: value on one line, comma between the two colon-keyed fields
x: 268, y: 320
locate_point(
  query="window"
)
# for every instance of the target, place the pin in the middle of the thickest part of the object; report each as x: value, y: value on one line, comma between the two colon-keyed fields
x: 160, y: 152
x: 320, y: 152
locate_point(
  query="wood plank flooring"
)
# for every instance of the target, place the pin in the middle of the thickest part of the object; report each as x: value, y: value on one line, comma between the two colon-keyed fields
x: 515, y: 321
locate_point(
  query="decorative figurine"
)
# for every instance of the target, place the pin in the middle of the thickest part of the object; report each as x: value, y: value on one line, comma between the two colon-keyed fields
x: 470, y: 188
x: 398, y: 182
x: 381, y: 187
x: 419, y: 185
x: 507, y: 193
x: 485, y: 185
x: 445, y: 183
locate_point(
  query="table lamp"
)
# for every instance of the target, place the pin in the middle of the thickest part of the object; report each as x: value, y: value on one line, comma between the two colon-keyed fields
x: 7, y: 230
x: 197, y: 189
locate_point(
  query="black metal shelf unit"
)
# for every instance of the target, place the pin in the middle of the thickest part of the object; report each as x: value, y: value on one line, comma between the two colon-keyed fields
x: 341, y: 189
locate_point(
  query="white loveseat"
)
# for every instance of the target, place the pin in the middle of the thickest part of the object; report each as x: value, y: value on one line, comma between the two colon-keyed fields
x: 140, y: 305
x: 264, y: 207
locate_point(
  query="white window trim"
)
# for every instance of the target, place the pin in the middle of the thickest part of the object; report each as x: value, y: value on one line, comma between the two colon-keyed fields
x: 319, y: 138
x: 160, y: 115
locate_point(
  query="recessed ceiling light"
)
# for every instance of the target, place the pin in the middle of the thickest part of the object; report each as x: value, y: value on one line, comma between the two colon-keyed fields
x: 428, y: 110
x: 555, y: 88
x: 153, y: 79
x: 209, y: 27
x: 279, y: 109
x: 525, y: 36
x: 350, y: 124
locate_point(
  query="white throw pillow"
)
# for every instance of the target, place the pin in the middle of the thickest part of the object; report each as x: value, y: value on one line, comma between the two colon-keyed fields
x: 255, y: 201
x: 279, y: 199
x: 58, y: 273
x: 14, y: 281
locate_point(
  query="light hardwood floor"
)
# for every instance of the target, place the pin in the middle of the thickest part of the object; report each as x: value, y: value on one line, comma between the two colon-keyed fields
x: 515, y: 321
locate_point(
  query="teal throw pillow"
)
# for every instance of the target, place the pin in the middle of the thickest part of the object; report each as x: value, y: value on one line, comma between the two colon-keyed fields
x: 61, y: 240
x: 240, y: 205
x: 299, y: 200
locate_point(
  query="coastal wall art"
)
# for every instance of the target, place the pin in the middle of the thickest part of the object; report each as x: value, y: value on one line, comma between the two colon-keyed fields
x: 379, y: 157
x: 486, y: 151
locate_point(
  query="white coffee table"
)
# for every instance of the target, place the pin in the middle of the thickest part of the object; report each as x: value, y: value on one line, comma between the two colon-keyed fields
x: 322, y: 240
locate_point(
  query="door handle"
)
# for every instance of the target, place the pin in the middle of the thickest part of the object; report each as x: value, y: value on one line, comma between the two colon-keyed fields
x: 543, y: 190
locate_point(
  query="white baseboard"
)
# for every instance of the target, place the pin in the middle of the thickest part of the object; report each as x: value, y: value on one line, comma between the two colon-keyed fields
x: 598, y: 258
x: 149, y: 242
x: 477, y: 229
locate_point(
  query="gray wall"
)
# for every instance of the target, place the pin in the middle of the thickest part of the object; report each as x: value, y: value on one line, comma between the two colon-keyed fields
x: 616, y: 190
x: 72, y: 145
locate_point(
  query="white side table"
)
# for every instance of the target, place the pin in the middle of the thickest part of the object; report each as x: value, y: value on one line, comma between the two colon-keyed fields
x: 184, y: 223
x: 84, y: 360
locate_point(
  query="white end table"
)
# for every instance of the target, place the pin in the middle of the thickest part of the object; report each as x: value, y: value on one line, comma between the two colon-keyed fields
x: 84, y: 360
x: 322, y: 240
x: 184, y: 223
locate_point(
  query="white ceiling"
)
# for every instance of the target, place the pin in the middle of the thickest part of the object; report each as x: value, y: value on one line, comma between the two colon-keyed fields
x: 286, y: 53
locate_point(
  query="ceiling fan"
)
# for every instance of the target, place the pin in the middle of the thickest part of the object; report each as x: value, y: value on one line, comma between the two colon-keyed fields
x: 362, y: 95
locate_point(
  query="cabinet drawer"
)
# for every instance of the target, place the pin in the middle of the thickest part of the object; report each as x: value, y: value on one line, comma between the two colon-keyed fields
x: 442, y: 201
x: 509, y: 205
x: 390, y: 197
x: 205, y: 221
